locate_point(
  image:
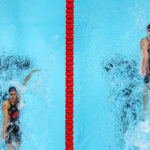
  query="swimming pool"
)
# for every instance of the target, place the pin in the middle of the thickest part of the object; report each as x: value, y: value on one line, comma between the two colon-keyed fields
x: 108, y: 82
x: 32, y: 36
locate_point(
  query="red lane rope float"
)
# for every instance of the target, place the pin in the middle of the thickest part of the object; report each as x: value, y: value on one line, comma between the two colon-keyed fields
x: 69, y: 75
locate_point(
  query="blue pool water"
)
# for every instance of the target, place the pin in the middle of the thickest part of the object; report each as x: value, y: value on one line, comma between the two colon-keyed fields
x: 32, y: 36
x: 108, y: 81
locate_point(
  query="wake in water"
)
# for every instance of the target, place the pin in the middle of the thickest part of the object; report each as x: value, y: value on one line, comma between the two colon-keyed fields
x: 138, y: 137
x: 125, y: 98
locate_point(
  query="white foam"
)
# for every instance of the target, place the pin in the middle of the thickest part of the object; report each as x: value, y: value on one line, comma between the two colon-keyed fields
x: 145, y: 126
x: 139, y: 136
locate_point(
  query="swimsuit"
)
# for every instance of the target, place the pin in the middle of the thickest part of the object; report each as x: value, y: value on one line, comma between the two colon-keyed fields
x: 147, y: 76
x: 13, y: 133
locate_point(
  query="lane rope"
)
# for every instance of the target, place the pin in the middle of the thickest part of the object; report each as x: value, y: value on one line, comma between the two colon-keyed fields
x: 69, y: 75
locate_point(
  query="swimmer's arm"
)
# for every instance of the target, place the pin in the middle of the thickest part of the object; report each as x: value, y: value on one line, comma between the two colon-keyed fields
x: 5, y: 114
x: 145, y: 54
x: 29, y: 76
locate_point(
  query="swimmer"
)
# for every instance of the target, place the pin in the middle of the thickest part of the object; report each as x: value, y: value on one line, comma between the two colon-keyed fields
x: 11, y: 125
x: 145, y: 46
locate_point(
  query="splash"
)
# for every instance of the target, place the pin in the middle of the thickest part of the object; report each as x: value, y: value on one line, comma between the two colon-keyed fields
x: 125, y: 99
x: 138, y: 136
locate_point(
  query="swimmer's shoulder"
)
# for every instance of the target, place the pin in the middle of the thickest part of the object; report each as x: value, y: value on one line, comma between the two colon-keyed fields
x: 144, y: 40
x: 144, y: 43
x: 6, y: 103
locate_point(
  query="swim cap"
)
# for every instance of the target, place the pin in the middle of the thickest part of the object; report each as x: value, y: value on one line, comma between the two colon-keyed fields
x: 148, y: 26
x: 12, y: 89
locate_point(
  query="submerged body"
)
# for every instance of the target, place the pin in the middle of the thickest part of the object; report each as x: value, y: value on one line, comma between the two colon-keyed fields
x: 11, y: 125
x: 13, y: 132
x: 146, y: 67
x: 145, y: 46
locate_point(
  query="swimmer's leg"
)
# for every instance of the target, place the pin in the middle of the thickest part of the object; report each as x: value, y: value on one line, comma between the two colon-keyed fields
x: 145, y: 98
x: 10, y: 146
x: 17, y: 146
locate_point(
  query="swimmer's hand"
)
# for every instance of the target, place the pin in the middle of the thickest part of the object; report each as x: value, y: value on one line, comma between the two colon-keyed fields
x: 35, y: 70
x: 143, y: 72
x: 3, y: 137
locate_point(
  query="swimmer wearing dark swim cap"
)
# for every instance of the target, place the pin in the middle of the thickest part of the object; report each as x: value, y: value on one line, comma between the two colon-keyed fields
x: 12, y: 89
x: 11, y: 125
